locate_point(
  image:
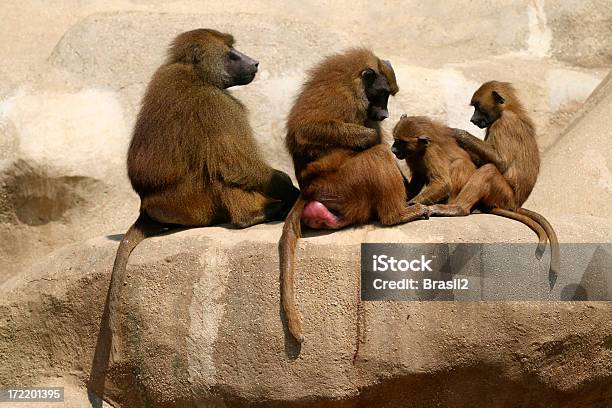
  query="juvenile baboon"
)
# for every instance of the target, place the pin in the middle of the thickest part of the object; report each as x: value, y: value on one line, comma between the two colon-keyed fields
x: 508, y: 157
x: 193, y: 159
x: 346, y: 175
x: 440, y: 168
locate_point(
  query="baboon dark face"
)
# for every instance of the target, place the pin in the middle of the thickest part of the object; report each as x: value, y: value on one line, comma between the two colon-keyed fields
x: 487, y: 108
x: 481, y: 117
x: 399, y: 149
x: 409, y: 146
x: 410, y: 136
x: 213, y: 57
x: 240, y: 68
x: 377, y: 91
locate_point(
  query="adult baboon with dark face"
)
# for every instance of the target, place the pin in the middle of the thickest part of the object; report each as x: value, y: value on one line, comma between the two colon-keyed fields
x: 347, y: 176
x: 193, y: 159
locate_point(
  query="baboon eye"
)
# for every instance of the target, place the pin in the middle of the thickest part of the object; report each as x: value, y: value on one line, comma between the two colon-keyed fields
x: 234, y: 55
x: 498, y: 98
x: 368, y: 74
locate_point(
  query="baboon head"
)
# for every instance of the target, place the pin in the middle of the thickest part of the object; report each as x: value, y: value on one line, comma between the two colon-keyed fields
x: 411, y: 136
x: 490, y: 100
x: 379, y: 83
x: 214, y: 57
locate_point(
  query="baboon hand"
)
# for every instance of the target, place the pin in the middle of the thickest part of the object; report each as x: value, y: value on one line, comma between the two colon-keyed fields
x: 421, y: 209
x: 414, y: 212
x: 370, y: 139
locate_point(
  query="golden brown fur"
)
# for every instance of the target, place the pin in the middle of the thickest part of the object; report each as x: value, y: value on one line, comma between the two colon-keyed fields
x: 512, y: 136
x: 331, y: 110
x: 508, y: 157
x: 193, y: 159
x: 338, y: 156
x: 440, y: 168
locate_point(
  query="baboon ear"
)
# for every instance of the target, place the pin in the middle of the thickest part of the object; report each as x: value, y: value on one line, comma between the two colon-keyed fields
x: 423, y: 139
x: 368, y: 75
x: 195, y: 54
x: 404, y: 116
x: 498, y: 98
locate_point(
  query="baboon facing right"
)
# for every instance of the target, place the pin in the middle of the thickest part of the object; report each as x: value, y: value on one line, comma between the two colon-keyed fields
x: 193, y: 159
x: 346, y: 174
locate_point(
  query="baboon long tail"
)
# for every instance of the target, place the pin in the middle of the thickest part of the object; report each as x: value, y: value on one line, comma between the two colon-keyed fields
x: 292, y: 231
x: 555, y: 256
x: 525, y: 219
x: 142, y: 228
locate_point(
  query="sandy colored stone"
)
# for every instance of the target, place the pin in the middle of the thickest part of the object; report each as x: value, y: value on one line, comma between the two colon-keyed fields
x: 73, y: 87
x: 202, y: 316
x: 581, y: 31
x: 202, y: 306
x: 576, y: 174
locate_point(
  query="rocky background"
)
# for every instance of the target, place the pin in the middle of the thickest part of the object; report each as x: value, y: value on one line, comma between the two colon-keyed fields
x: 204, y: 316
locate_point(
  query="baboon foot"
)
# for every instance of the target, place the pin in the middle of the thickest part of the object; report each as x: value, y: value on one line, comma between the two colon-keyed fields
x: 444, y: 210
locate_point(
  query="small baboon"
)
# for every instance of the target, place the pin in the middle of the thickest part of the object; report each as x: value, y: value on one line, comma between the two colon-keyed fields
x: 193, y: 159
x: 346, y: 175
x: 508, y: 160
x: 440, y: 168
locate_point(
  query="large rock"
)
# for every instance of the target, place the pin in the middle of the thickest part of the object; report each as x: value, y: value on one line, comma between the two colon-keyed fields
x: 576, y: 174
x: 67, y: 110
x: 581, y: 31
x: 204, y: 326
x: 202, y: 314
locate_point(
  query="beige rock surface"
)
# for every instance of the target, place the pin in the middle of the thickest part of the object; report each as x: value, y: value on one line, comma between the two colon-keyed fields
x: 576, y: 174
x: 203, y: 310
x: 203, y: 319
x: 579, y: 31
x: 73, y: 75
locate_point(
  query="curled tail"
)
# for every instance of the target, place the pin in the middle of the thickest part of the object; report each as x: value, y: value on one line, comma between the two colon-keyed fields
x: 555, y: 255
x: 292, y: 231
x: 142, y: 228
x: 525, y: 219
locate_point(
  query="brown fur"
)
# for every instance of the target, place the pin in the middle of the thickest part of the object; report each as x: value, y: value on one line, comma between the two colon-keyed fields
x: 330, y: 111
x: 339, y: 159
x: 509, y: 162
x: 193, y: 159
x: 440, y: 168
